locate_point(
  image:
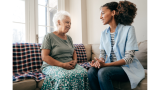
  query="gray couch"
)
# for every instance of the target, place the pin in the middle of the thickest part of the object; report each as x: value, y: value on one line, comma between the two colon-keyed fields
x: 92, y: 51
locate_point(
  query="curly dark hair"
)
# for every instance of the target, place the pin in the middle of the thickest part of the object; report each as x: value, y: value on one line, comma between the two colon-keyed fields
x: 125, y: 11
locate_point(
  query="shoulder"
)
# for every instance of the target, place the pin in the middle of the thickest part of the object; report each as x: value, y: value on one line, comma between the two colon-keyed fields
x: 126, y: 27
x: 105, y: 31
x: 49, y: 36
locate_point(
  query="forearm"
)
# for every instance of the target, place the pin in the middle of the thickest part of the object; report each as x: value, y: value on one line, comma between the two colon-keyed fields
x: 117, y: 63
x: 51, y: 61
x: 75, y: 56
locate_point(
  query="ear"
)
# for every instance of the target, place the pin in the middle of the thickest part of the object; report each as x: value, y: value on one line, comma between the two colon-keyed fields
x: 58, y: 22
x: 113, y: 12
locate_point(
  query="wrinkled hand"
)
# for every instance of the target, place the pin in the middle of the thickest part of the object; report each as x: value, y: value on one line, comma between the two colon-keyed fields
x: 73, y: 63
x: 101, y: 62
x: 68, y: 65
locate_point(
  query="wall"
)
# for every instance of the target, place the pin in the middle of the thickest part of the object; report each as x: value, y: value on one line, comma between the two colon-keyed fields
x: 86, y: 23
x: 78, y: 31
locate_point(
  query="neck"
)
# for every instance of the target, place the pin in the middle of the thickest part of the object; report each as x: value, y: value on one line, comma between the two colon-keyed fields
x: 60, y: 33
x: 113, y: 26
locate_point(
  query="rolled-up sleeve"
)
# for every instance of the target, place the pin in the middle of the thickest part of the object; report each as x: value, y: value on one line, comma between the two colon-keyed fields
x: 101, y: 47
x: 129, y: 56
x: 131, y: 43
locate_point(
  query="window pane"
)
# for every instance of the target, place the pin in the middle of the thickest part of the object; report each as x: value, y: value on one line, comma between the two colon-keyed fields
x: 48, y: 3
x: 53, y: 4
x: 45, y: 15
x: 42, y: 2
x: 18, y: 33
x: 18, y: 14
x: 43, y: 31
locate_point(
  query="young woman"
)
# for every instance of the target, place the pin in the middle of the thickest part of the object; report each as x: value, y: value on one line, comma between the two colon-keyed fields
x: 117, y: 48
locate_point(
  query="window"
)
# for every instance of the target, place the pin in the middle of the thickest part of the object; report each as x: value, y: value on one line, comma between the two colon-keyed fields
x: 32, y: 19
x: 46, y: 10
x: 18, y: 17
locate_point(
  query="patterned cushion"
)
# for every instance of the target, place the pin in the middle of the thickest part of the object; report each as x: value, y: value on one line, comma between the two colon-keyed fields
x: 81, y: 53
x: 85, y: 65
x: 27, y: 60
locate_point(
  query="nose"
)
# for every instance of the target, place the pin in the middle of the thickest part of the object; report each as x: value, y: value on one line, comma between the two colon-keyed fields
x: 101, y: 16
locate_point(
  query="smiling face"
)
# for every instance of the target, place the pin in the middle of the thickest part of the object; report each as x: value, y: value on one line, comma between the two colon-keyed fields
x: 65, y: 24
x: 106, y: 15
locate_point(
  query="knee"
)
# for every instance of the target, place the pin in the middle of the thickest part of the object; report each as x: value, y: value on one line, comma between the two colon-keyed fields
x: 103, y: 73
x: 92, y: 71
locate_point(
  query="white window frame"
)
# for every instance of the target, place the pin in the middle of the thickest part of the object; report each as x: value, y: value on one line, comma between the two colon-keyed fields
x: 31, y: 19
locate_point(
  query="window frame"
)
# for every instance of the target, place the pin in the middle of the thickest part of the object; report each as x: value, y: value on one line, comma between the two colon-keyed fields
x: 31, y: 19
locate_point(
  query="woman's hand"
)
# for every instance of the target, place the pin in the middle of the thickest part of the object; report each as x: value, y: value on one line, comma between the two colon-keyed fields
x: 68, y: 65
x: 95, y: 64
x: 101, y: 63
x: 73, y: 63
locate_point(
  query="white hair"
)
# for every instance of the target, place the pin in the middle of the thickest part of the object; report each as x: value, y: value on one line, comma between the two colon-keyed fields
x: 59, y: 16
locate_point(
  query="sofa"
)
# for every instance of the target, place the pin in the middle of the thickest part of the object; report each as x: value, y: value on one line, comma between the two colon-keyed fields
x: 33, y: 79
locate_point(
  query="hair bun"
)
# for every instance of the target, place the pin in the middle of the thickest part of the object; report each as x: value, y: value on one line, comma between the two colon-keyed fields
x: 126, y: 12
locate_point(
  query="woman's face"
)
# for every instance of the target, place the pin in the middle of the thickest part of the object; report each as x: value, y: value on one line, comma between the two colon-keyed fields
x: 65, y: 24
x: 106, y: 15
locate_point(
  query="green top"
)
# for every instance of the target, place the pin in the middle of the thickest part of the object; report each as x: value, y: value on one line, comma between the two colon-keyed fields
x: 61, y: 50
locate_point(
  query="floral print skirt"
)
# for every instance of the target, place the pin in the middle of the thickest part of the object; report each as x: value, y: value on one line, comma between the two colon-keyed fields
x: 58, y: 78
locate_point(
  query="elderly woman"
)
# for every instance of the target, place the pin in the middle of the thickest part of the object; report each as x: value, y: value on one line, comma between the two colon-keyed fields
x: 117, y: 48
x: 60, y: 59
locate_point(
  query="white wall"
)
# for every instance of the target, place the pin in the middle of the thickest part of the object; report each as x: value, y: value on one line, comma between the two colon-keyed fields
x: 78, y: 31
x: 88, y: 29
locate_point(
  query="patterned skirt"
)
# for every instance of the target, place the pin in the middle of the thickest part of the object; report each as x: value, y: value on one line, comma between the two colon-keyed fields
x: 58, y: 78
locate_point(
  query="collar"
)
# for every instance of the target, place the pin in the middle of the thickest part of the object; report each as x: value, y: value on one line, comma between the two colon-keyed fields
x: 108, y: 29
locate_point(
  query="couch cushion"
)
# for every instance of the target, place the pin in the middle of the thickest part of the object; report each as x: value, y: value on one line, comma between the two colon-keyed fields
x: 88, y: 48
x: 28, y: 84
x: 142, y: 53
x: 95, y: 51
x: 40, y: 83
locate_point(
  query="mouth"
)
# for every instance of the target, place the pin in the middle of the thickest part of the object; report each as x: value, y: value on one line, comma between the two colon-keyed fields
x: 68, y: 27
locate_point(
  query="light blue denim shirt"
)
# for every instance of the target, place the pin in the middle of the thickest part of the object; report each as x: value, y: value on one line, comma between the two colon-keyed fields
x: 125, y: 40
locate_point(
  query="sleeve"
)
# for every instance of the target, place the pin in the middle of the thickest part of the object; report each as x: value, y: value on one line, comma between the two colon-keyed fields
x: 46, y: 43
x: 102, y: 54
x: 101, y: 47
x: 129, y: 55
x: 131, y: 43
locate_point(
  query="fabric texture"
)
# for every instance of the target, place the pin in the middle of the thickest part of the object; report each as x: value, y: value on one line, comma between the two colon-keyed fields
x: 27, y: 62
x: 62, y: 79
x: 60, y: 49
x: 81, y: 53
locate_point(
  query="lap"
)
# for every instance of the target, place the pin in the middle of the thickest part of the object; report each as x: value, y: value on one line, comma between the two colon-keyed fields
x: 114, y: 72
x: 59, y: 72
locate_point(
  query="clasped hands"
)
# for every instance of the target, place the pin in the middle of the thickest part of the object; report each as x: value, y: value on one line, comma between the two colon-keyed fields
x: 98, y: 64
x: 69, y: 65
